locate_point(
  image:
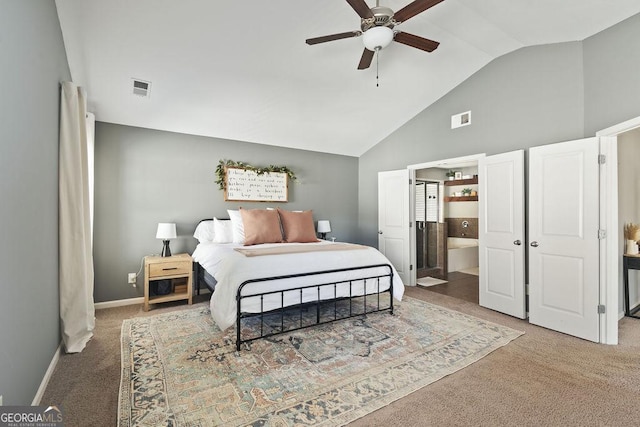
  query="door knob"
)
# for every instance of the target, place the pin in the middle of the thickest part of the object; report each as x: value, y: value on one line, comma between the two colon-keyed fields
x: 534, y: 244
x: 517, y: 242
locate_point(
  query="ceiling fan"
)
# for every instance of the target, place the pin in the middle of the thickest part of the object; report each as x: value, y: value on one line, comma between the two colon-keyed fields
x: 376, y: 28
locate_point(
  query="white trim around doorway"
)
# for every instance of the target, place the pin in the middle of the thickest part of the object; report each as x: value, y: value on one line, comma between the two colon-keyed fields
x: 445, y: 163
x: 610, y: 273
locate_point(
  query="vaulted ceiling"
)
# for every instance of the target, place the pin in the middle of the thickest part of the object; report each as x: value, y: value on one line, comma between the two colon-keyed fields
x: 241, y: 70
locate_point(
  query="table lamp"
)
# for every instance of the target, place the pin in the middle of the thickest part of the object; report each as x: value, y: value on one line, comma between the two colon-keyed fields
x: 166, y: 231
x: 324, y: 227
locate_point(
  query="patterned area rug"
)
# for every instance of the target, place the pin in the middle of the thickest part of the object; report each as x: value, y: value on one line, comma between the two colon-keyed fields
x: 179, y: 369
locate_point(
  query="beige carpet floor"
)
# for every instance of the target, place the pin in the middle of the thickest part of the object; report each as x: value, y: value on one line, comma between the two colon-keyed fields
x: 544, y: 378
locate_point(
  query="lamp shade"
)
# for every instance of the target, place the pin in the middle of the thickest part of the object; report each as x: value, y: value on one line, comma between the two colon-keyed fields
x: 377, y: 38
x: 166, y: 231
x: 324, y: 226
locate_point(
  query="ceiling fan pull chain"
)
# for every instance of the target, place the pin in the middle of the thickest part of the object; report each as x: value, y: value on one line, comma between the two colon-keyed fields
x: 377, y: 56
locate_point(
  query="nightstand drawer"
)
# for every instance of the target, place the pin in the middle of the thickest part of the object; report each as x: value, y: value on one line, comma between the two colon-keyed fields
x: 169, y: 269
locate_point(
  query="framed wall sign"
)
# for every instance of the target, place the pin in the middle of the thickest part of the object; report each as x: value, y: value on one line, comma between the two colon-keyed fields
x: 246, y: 185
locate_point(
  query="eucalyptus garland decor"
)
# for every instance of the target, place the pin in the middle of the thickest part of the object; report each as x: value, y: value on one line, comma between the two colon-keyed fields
x: 222, y: 164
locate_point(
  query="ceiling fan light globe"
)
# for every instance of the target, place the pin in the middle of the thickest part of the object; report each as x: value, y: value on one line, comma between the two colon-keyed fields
x: 377, y: 38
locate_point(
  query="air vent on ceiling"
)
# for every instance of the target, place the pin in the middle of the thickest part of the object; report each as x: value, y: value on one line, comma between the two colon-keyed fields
x: 141, y: 87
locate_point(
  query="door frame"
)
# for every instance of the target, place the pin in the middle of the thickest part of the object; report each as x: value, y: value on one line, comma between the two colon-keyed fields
x: 412, y: 203
x: 610, y: 251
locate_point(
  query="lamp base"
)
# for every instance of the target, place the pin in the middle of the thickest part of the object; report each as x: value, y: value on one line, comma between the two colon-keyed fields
x: 166, y: 251
x: 323, y: 236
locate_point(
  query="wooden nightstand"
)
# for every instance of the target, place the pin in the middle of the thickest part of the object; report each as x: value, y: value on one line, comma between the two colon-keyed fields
x: 630, y: 262
x: 176, y: 269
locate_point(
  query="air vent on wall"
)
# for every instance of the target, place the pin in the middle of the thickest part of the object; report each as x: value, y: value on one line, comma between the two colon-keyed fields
x: 141, y: 87
x: 462, y: 119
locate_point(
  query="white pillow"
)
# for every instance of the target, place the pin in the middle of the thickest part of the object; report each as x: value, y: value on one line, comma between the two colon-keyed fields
x: 238, y: 226
x: 222, y: 231
x: 204, y: 231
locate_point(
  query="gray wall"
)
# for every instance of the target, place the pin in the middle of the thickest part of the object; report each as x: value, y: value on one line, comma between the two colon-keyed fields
x: 33, y: 62
x: 530, y: 97
x: 144, y: 177
x: 612, y: 80
x: 534, y: 96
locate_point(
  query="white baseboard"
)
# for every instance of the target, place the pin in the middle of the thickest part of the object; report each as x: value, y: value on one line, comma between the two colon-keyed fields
x: 118, y: 303
x: 130, y: 301
x: 47, y: 376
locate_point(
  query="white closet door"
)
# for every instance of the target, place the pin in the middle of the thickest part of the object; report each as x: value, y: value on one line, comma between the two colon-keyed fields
x: 563, y: 234
x: 394, y: 220
x: 501, y: 233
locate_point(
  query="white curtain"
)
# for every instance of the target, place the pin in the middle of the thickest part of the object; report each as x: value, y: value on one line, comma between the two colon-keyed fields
x: 76, y: 262
x: 91, y: 133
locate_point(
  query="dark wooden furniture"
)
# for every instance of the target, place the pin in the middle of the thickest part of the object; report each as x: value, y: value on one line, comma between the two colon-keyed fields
x: 630, y: 262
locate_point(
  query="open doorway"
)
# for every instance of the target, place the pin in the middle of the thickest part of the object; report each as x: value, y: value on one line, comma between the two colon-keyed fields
x: 629, y: 211
x: 446, y: 227
x: 615, y: 185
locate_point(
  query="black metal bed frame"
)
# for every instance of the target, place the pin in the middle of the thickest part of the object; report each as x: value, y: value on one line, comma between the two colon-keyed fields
x: 317, y: 302
x: 199, y: 278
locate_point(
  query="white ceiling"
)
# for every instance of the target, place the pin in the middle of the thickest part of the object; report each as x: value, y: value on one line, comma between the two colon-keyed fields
x: 241, y: 70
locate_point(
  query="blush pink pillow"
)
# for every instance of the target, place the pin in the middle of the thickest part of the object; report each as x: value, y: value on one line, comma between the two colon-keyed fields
x: 298, y: 226
x: 261, y: 226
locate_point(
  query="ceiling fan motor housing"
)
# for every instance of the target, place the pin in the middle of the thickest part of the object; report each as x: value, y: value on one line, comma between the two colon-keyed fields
x: 382, y: 17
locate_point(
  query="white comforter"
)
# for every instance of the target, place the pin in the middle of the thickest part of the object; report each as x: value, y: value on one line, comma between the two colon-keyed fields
x: 230, y: 268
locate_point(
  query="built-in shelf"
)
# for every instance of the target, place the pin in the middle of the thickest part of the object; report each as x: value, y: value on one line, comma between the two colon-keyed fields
x: 461, y: 199
x: 473, y: 180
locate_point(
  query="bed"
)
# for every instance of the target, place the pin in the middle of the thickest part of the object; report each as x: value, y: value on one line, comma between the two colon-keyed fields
x: 269, y: 279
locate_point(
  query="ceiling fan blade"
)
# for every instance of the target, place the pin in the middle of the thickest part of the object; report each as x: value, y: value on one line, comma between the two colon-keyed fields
x: 365, y: 61
x: 361, y: 8
x: 416, y: 41
x: 414, y: 8
x: 332, y: 37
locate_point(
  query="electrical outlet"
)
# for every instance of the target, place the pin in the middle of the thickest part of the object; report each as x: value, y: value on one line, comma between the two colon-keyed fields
x: 132, y: 278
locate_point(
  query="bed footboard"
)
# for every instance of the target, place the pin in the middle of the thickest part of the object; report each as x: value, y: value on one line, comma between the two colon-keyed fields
x: 320, y: 301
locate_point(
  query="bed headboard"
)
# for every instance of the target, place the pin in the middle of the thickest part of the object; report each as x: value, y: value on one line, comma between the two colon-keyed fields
x: 211, y: 219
